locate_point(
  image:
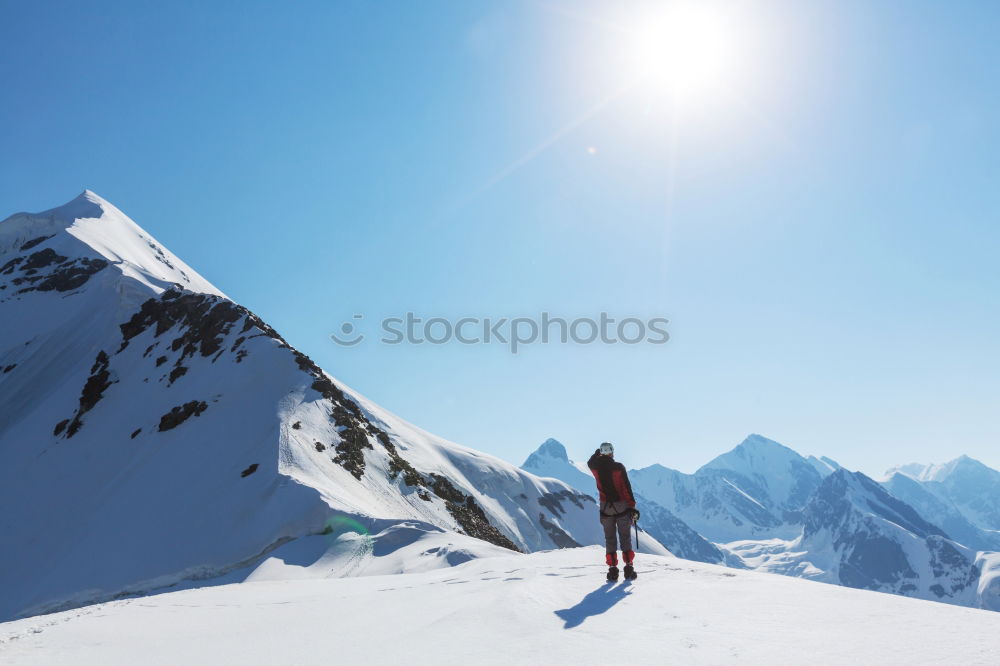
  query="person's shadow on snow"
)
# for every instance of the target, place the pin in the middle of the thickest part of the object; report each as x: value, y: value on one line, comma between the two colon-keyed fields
x: 595, y: 603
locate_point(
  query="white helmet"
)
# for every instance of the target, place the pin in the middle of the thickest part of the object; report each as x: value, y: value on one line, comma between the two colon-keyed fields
x: 607, y: 449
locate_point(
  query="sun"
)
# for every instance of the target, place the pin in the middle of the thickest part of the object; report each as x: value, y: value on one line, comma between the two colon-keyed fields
x: 685, y: 50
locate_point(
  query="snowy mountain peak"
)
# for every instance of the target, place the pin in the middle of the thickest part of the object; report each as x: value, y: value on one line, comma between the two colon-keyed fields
x: 21, y: 227
x: 969, y: 486
x: 788, y: 478
x: 756, y: 451
x: 658, y: 469
x: 85, y: 205
x: 759, y: 443
x: 66, y: 245
x: 962, y: 465
x: 551, y: 460
x: 941, y: 471
x: 553, y: 448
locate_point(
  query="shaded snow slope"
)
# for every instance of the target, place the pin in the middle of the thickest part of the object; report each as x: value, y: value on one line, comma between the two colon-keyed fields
x: 969, y: 486
x: 857, y: 534
x: 942, y: 512
x: 823, y: 465
x: 550, y: 607
x: 989, y: 580
x: 678, y: 537
x: 155, y: 431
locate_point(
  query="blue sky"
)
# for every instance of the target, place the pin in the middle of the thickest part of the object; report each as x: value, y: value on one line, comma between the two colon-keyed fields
x: 821, y: 229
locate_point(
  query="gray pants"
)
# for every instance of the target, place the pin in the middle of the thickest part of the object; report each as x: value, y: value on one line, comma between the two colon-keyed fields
x: 617, y: 529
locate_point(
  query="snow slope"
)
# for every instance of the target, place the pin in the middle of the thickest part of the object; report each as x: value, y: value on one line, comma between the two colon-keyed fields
x: 941, y: 512
x: 548, y: 607
x: 678, y: 537
x: 156, y: 432
x: 825, y: 466
x: 857, y: 534
x: 989, y: 580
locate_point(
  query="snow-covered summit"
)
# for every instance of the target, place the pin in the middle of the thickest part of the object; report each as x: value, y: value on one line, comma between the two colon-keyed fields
x: 21, y: 227
x: 962, y: 465
x: 553, y: 448
x: 753, y: 491
x: 88, y: 229
x: 720, y: 504
x: 966, y: 484
x: 551, y: 459
x: 787, y: 477
x: 87, y: 204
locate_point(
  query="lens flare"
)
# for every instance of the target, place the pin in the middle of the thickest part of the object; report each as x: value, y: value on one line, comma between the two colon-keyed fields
x: 337, y: 526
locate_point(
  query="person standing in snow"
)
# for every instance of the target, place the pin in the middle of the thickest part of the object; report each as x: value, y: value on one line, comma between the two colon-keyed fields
x: 617, y: 508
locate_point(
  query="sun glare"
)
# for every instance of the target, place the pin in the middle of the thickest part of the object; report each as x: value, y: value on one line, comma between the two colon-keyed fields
x: 685, y: 50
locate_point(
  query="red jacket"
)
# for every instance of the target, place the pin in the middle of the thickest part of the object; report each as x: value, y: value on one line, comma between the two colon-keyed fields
x: 612, y: 479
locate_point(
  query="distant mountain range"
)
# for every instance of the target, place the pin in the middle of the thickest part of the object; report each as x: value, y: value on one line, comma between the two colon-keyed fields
x: 551, y: 460
x: 924, y: 531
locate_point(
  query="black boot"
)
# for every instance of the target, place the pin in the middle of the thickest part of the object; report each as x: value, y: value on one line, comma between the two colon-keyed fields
x: 612, y: 574
x: 630, y: 573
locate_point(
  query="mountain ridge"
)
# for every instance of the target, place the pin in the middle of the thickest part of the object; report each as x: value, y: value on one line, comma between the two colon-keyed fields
x: 162, y: 432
